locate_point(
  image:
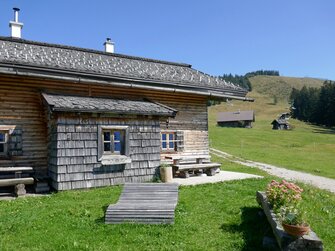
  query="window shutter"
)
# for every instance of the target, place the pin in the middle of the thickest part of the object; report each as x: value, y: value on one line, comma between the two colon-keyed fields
x: 15, y: 143
x: 180, y: 141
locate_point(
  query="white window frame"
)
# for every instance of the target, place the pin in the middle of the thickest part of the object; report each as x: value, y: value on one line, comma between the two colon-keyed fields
x: 168, y: 141
x: 112, y: 141
x: 108, y: 157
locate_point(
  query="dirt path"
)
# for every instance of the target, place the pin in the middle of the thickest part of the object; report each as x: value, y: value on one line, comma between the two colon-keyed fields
x: 318, y: 181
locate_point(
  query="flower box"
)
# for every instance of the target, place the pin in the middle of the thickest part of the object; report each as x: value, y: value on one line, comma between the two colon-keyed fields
x: 285, y: 241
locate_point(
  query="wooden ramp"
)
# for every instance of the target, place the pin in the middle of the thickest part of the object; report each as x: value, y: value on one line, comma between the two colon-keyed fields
x: 148, y: 203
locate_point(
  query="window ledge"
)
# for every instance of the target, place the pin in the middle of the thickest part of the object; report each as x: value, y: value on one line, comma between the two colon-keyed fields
x: 115, y: 159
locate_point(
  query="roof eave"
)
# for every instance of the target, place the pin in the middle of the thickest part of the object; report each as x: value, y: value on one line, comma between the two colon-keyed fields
x: 59, y: 109
x: 51, y: 73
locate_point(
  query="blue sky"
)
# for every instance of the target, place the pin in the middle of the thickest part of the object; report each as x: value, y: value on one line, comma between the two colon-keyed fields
x: 296, y: 37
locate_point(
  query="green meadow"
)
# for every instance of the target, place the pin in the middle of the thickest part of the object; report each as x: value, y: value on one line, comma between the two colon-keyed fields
x: 221, y: 216
x: 306, y: 147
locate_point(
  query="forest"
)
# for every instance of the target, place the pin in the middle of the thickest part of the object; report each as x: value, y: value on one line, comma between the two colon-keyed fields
x: 314, y: 105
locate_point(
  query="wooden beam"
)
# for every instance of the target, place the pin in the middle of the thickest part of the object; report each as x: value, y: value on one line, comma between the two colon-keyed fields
x: 16, y: 181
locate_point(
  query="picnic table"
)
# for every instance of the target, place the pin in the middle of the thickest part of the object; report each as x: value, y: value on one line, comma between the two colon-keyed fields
x: 183, y: 165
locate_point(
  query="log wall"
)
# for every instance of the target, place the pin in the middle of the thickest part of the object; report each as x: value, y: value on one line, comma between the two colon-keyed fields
x: 21, y: 105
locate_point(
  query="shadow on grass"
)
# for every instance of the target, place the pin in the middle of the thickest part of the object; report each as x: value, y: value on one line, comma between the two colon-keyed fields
x: 254, y: 226
x: 323, y: 129
x: 101, y: 220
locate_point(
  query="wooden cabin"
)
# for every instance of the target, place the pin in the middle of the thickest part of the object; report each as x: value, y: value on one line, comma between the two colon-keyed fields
x: 86, y: 118
x: 280, y: 124
x: 236, y: 119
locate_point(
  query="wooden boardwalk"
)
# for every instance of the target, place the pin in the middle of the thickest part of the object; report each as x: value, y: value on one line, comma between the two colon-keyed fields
x: 148, y: 203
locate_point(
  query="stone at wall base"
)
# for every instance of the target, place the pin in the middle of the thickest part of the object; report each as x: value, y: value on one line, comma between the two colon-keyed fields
x: 42, y: 187
x: 20, y: 190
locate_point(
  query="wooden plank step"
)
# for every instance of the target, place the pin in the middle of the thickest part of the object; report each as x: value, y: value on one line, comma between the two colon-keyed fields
x: 149, y: 217
x: 127, y: 215
x: 154, y: 186
x: 142, y: 221
x: 146, y: 196
x: 140, y: 211
x: 158, y: 190
x: 141, y: 207
x: 137, y: 212
x: 155, y: 193
x: 148, y: 203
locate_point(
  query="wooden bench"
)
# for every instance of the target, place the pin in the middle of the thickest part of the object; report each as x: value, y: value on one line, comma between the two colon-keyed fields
x: 148, y: 203
x: 201, y: 164
x: 17, y: 181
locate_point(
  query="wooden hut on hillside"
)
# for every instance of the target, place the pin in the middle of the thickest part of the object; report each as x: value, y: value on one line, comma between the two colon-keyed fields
x: 236, y: 119
x: 281, y: 123
x: 87, y: 118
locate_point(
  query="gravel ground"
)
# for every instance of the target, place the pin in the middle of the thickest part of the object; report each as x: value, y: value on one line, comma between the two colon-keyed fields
x: 314, y: 180
x: 219, y: 177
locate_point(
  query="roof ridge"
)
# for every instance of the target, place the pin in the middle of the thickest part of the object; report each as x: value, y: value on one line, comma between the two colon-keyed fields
x: 60, y: 46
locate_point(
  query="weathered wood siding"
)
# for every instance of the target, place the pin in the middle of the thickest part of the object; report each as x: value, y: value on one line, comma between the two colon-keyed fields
x: 73, y: 161
x: 21, y: 105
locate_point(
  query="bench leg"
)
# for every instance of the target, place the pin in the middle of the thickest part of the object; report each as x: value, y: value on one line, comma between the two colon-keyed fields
x: 20, y: 190
x: 174, y: 171
x: 211, y: 171
x: 184, y: 174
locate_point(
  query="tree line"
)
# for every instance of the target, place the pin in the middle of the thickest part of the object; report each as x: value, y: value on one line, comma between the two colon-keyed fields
x: 243, y: 80
x: 262, y: 72
x: 239, y: 80
x: 314, y: 105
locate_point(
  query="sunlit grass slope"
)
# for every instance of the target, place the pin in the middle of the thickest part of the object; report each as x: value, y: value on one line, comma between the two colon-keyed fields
x: 306, y: 148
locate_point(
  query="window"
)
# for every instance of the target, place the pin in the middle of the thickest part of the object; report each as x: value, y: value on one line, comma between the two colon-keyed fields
x: 114, y: 141
x: 113, y: 145
x: 3, y: 143
x: 168, y: 140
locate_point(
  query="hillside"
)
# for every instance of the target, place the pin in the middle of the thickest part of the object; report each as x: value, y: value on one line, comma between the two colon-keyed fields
x: 271, y: 94
x: 307, y: 148
x: 281, y: 86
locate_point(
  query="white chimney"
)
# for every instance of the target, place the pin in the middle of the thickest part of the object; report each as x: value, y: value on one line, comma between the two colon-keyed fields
x: 15, y: 26
x: 109, y: 46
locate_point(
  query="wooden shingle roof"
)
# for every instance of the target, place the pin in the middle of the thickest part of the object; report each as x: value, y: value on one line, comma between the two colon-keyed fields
x: 65, y: 103
x: 59, y: 59
x: 235, y: 116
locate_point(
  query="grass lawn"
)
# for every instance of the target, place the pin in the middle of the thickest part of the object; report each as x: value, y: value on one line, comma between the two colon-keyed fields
x: 222, y: 216
x: 306, y: 148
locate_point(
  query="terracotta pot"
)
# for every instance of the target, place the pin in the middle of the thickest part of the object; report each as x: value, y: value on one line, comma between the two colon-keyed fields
x: 296, y: 230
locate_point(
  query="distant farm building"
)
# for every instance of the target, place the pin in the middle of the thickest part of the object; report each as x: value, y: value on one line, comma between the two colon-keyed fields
x: 282, y: 122
x: 236, y: 119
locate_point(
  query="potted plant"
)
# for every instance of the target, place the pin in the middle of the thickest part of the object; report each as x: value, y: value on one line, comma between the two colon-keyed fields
x: 166, y: 172
x: 283, y: 194
x: 284, y: 198
x: 292, y: 219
